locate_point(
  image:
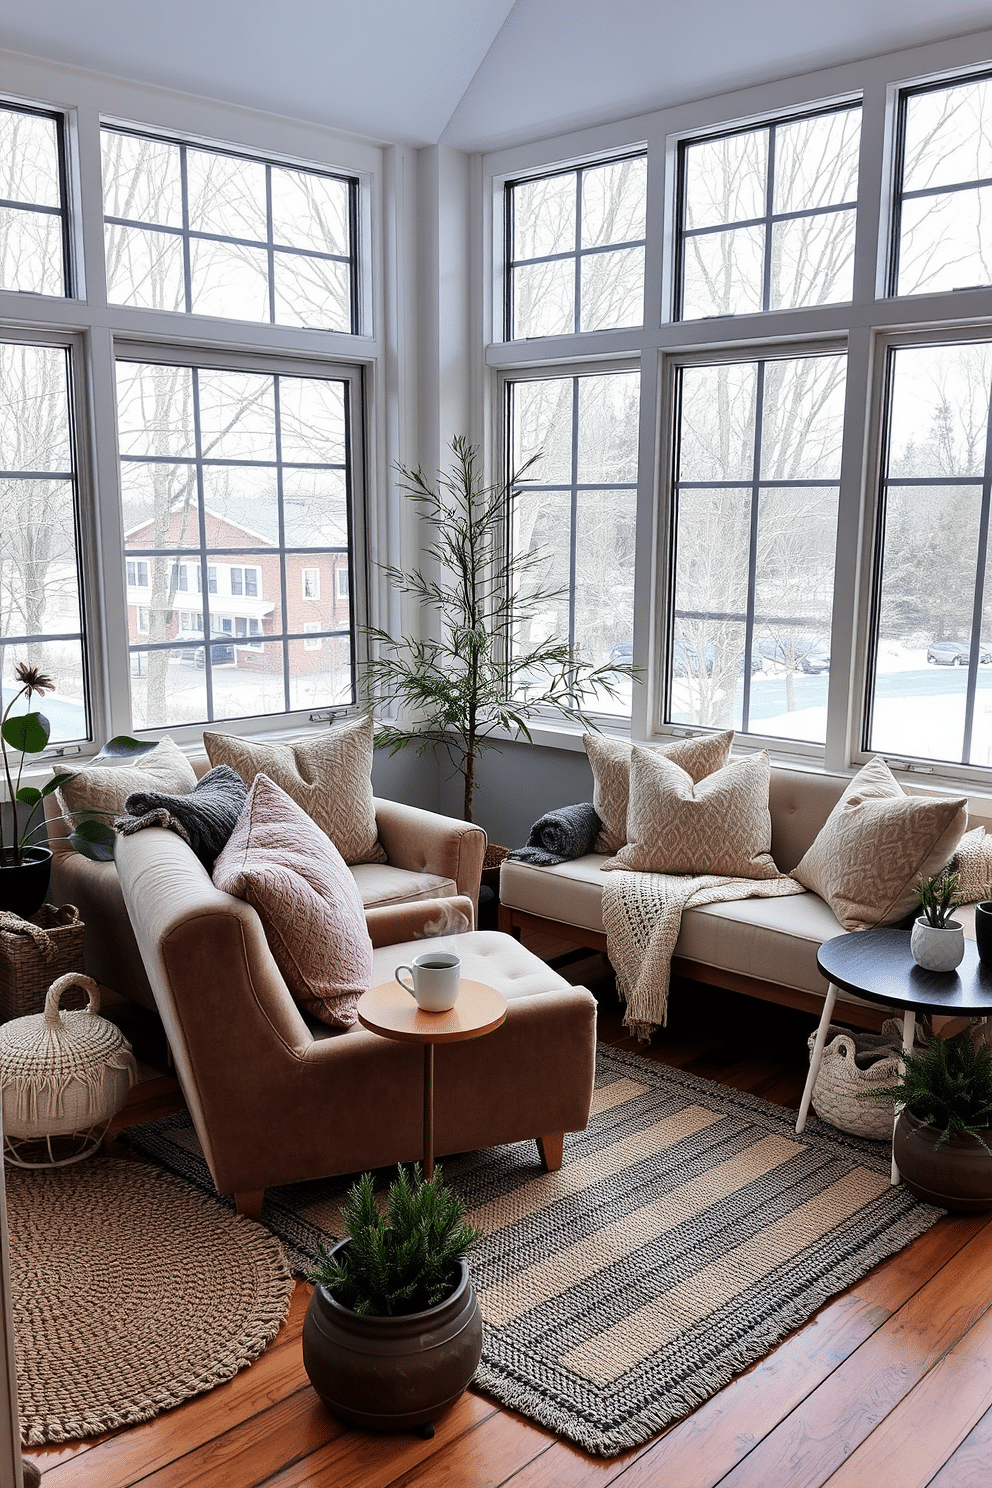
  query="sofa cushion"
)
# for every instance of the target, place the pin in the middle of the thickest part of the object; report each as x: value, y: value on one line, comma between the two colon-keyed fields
x: 720, y: 824
x: 876, y: 844
x: 293, y: 876
x: 569, y: 892
x: 104, y: 788
x: 329, y: 776
x: 610, y: 762
x: 381, y: 883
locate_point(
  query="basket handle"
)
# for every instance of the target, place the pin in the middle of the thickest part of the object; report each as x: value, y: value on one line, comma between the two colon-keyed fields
x: 53, y: 1017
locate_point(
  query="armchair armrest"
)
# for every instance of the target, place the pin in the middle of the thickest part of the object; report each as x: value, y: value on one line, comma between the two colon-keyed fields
x: 425, y: 842
x: 391, y: 924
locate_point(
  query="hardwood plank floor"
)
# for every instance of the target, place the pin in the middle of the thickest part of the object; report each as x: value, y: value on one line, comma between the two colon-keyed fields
x: 889, y: 1385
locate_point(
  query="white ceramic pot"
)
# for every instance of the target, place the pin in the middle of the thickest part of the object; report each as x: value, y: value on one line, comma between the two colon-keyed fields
x: 937, y: 949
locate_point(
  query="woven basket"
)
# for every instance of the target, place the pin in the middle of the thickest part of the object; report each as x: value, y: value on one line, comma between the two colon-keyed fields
x: 841, y: 1080
x: 62, y: 1076
x: 34, y: 953
x: 495, y: 855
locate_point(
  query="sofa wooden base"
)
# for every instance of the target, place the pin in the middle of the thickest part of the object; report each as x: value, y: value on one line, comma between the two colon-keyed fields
x: 516, y: 921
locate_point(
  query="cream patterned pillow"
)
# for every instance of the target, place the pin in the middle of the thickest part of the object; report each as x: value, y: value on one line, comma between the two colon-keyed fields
x: 329, y: 776
x: 973, y: 865
x: 876, y: 844
x: 720, y: 824
x: 610, y: 761
x: 105, y: 788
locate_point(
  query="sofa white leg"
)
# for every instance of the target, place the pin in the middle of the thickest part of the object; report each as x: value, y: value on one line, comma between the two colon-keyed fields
x: 817, y: 1055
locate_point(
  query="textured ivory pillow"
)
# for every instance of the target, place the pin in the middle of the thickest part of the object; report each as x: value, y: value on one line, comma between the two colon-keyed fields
x: 610, y: 761
x: 721, y: 824
x: 329, y: 776
x: 973, y: 865
x: 876, y: 844
x: 105, y: 788
x: 284, y: 866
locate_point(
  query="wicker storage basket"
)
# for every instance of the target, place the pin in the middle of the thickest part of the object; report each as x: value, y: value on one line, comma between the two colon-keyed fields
x: 34, y: 953
x: 62, y: 1077
x: 843, y: 1076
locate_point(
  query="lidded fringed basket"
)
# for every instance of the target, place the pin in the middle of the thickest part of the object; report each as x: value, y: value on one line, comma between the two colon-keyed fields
x: 63, y: 1076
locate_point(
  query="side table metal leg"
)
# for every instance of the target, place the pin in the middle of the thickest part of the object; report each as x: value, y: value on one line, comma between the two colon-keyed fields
x: 428, y: 1110
x: 908, y: 1036
x: 817, y: 1055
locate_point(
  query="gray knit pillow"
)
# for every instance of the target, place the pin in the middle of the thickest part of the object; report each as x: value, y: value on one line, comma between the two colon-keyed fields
x: 205, y: 818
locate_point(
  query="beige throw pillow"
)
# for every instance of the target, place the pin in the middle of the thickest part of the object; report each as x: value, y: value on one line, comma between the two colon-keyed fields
x: 610, y: 761
x: 329, y: 776
x: 876, y: 844
x: 105, y: 787
x: 721, y: 824
x: 285, y: 867
x: 973, y: 865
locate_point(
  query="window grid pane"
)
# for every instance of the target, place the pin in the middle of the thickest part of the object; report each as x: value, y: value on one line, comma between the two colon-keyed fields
x: 575, y: 250
x: 767, y: 216
x: 217, y: 499
x: 34, y: 239
x: 209, y: 232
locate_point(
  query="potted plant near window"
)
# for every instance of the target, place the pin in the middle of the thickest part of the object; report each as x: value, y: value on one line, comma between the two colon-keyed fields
x: 942, y: 1142
x: 936, y: 940
x: 393, y: 1333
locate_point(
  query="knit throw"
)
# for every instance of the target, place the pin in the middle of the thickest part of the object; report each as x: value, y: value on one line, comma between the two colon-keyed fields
x: 205, y: 818
x: 558, y: 836
x: 642, y: 913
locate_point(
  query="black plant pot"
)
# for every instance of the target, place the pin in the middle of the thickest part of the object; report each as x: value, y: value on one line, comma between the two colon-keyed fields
x: 24, y: 885
x: 955, y: 1175
x: 392, y: 1373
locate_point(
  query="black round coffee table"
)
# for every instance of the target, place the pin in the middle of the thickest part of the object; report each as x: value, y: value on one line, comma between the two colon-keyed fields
x: 878, y: 966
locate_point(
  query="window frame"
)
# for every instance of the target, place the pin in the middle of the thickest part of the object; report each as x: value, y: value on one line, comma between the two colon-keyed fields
x: 64, y: 210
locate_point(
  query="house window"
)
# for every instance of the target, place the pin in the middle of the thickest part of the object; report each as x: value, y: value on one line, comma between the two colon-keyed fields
x: 313, y: 642
x: 247, y: 628
x: 34, y: 251
x: 41, y: 590
x: 767, y: 216
x: 143, y: 620
x: 341, y: 583
x: 211, y: 232
x: 137, y: 573
x: 208, y: 456
x: 757, y: 473
x: 575, y: 249
x: 311, y: 583
x: 576, y: 510
x: 945, y: 195
x: 932, y: 640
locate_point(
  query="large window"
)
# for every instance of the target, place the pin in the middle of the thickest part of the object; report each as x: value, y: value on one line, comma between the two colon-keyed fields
x: 212, y: 233
x: 34, y: 254
x: 246, y: 475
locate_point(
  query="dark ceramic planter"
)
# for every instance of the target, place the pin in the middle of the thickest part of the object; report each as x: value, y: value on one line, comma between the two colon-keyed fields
x: 983, y: 932
x: 392, y: 1373
x: 24, y: 885
x: 957, y: 1175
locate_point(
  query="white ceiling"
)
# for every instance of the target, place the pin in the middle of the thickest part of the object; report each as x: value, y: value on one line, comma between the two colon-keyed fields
x: 471, y: 73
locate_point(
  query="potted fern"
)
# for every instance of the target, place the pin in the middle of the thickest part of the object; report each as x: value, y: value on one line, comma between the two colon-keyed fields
x: 393, y: 1333
x: 937, y: 940
x: 942, y: 1142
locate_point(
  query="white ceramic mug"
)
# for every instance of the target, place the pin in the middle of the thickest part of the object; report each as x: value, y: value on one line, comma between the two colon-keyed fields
x: 435, y: 976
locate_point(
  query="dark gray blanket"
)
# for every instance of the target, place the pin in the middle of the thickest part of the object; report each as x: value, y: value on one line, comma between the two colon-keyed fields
x: 558, y: 836
x: 205, y: 818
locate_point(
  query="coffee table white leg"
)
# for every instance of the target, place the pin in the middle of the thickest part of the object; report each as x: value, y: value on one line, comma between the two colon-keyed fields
x: 817, y: 1055
x: 908, y: 1035
x: 428, y: 1167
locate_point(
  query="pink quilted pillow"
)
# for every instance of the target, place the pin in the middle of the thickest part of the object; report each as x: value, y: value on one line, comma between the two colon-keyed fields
x: 290, y: 872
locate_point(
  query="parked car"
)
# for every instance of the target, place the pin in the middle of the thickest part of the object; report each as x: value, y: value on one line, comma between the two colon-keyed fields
x: 221, y: 651
x: 622, y: 654
x: 816, y: 660
x: 685, y: 661
x: 956, y: 653
x: 806, y: 653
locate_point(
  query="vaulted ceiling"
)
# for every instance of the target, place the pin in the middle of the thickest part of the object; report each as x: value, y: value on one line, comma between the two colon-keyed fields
x: 470, y: 73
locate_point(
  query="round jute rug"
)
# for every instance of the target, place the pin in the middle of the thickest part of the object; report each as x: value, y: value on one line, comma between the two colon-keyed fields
x: 131, y: 1293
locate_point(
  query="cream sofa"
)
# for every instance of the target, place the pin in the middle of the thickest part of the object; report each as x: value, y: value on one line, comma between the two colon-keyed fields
x: 427, y: 857
x: 763, y: 947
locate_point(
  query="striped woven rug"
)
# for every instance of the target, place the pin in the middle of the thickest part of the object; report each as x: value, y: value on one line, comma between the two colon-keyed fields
x: 688, y: 1230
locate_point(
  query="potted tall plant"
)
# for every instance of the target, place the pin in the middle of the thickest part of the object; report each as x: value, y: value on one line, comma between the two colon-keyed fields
x: 476, y: 678
x: 942, y: 1142
x: 393, y: 1333
x: 937, y: 940
x: 25, y: 866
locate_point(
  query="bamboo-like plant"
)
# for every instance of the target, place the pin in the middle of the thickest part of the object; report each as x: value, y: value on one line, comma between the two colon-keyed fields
x: 404, y: 1260
x: 938, y: 897
x: 476, y: 678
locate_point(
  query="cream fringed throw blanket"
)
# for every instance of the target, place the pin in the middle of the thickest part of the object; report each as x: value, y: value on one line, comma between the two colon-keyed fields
x: 642, y: 913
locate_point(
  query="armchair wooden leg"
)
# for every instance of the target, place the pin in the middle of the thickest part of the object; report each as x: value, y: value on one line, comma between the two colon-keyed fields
x: 551, y: 1150
x: 249, y: 1202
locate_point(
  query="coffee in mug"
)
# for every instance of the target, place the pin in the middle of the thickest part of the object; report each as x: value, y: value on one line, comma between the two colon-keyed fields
x: 435, y: 976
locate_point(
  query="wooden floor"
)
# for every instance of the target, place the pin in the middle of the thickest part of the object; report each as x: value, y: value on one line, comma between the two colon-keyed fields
x: 888, y: 1386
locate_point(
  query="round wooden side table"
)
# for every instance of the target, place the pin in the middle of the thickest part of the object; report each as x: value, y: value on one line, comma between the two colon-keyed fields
x: 394, y: 1014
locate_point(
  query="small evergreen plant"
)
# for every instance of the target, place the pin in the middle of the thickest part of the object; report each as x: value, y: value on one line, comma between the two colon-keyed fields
x: 948, y: 1085
x: 938, y: 897
x: 403, y: 1260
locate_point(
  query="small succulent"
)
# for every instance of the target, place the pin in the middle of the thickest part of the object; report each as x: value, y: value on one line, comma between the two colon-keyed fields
x: 938, y: 896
